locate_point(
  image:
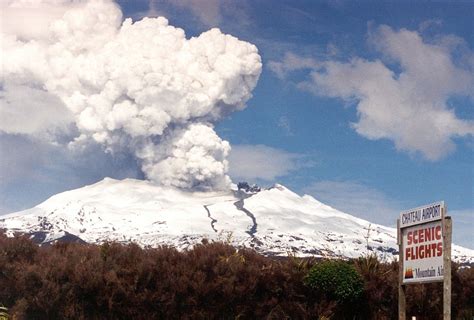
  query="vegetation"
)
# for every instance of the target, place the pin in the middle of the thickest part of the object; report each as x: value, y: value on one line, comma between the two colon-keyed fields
x: 211, y: 281
x: 336, y: 280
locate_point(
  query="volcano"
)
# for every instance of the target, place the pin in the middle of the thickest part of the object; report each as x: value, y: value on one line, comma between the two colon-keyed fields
x: 274, y: 221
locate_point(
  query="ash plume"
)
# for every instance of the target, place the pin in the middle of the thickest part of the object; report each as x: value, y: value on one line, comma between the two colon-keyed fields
x: 77, y: 69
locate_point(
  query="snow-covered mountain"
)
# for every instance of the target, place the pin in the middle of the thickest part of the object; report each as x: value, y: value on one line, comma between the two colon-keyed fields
x: 274, y: 221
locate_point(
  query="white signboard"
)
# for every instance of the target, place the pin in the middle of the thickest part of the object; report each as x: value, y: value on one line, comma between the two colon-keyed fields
x: 431, y: 212
x: 422, y: 243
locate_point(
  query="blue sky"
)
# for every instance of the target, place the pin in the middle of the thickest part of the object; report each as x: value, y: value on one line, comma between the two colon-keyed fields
x: 337, y: 78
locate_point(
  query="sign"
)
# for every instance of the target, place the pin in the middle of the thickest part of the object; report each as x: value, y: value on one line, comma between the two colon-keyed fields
x: 431, y: 212
x: 422, y: 243
x: 424, y: 240
x: 423, y: 253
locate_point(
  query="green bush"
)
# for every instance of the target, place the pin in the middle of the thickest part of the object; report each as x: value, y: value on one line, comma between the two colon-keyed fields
x: 336, y: 279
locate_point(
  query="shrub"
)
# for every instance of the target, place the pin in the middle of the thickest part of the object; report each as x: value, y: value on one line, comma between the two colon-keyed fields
x: 336, y: 279
x: 210, y: 281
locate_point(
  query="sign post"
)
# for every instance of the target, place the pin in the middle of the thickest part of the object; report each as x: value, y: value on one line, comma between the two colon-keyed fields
x: 424, y: 239
x: 447, y: 268
x: 401, y: 289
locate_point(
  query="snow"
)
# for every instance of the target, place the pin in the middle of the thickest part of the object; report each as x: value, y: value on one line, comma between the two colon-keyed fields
x: 275, y: 221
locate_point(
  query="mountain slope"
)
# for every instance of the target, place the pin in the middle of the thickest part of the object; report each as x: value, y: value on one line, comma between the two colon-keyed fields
x: 275, y: 221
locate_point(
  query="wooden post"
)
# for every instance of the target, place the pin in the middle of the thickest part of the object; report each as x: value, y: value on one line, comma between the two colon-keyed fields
x: 401, y: 288
x: 447, y: 234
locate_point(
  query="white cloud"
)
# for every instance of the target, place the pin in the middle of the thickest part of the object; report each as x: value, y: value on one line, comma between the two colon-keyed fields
x: 32, y: 170
x: 210, y: 13
x: 28, y: 110
x: 291, y: 62
x: 194, y: 155
x: 260, y: 162
x: 463, y: 227
x: 19, y: 158
x: 430, y: 23
x: 207, y: 13
x: 31, y: 19
x: 128, y: 86
x: 285, y: 125
x: 410, y: 107
x: 356, y: 199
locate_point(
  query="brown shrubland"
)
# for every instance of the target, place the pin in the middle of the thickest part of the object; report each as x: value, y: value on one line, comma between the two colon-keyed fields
x: 210, y: 281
